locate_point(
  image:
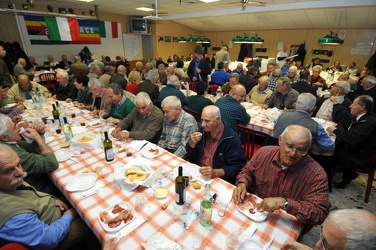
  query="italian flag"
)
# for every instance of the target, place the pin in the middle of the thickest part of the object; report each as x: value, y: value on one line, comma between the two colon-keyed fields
x: 63, y: 29
x: 108, y: 29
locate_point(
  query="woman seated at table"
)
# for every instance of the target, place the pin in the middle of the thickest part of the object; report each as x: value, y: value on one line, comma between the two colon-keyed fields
x: 260, y: 92
x: 84, y: 94
x: 134, y: 79
x: 316, y: 80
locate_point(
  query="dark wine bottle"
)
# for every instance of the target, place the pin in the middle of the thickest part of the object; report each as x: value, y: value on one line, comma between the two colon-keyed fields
x: 180, y: 187
x: 107, y: 145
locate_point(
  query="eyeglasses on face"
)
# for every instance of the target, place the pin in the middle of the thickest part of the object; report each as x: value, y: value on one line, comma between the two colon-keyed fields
x: 290, y: 147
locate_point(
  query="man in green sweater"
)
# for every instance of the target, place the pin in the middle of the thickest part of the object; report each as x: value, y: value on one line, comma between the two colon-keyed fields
x: 37, y: 158
x: 120, y: 105
x: 143, y: 123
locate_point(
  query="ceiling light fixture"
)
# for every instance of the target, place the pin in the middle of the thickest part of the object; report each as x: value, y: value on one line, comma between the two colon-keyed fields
x: 192, y: 39
x: 331, y: 39
x: 86, y: 1
x: 209, y: 1
x: 144, y: 9
x: 245, y: 39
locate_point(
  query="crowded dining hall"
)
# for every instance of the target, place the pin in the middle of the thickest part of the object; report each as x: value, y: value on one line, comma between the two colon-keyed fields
x: 188, y: 124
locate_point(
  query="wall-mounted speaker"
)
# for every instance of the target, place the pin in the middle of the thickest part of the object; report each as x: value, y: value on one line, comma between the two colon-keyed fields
x: 92, y: 13
x: 25, y: 6
x: 49, y: 8
x: 83, y: 13
x: 62, y: 11
x: 71, y: 11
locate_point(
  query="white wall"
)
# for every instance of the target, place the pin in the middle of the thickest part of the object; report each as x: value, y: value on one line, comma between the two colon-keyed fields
x: 111, y: 47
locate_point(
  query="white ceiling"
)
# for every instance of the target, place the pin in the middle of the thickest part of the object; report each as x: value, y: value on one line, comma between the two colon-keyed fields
x: 227, y: 15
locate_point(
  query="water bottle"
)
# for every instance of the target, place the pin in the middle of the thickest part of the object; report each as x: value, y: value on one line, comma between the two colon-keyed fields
x: 36, y: 100
x: 42, y: 97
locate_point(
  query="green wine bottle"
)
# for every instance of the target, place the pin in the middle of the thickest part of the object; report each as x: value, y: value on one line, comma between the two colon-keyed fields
x: 55, y: 114
x: 206, y: 207
x: 180, y: 187
x: 107, y: 145
x: 67, y: 130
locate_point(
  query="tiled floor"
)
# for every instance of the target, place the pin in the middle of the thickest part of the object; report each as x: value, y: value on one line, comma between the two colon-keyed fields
x: 350, y: 197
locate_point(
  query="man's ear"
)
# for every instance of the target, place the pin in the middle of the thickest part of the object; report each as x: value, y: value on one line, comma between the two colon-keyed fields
x: 279, y: 140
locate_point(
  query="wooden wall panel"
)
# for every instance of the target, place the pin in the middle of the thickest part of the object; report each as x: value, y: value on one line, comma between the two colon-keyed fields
x: 8, y: 29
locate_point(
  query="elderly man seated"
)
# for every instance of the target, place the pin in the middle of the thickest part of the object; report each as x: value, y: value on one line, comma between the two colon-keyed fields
x: 216, y: 147
x: 285, y: 177
x: 100, y: 99
x: 19, y: 69
x: 150, y: 85
x: 292, y: 74
x: 119, y: 77
x: 234, y: 80
x: 316, y: 80
x: 23, y: 90
x: 120, y: 105
x: 37, y: 157
x: 67, y: 91
x: 34, y: 219
x: 13, y: 112
x: 239, y: 69
x: 302, y: 85
x: 335, y: 108
x: 143, y: 123
x: 178, y: 126
x: 276, y: 74
x: 369, y: 88
x: 232, y: 112
x: 261, y: 92
x: 283, y: 97
x: 173, y: 89
x: 340, y: 232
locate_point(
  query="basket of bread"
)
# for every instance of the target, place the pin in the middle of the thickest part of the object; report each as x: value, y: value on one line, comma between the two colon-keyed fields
x: 135, y: 173
x: 87, y: 140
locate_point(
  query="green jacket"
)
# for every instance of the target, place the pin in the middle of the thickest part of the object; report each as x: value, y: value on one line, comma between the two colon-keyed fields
x: 123, y: 110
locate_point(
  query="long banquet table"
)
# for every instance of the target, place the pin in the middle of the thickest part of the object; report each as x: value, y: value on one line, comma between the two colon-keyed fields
x: 278, y: 225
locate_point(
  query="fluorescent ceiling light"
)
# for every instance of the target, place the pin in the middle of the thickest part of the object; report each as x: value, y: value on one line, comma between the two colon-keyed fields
x: 87, y: 1
x: 209, y: 1
x: 144, y: 9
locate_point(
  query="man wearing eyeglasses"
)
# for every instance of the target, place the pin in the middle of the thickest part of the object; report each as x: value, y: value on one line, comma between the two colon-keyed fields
x: 285, y: 177
x: 343, y: 229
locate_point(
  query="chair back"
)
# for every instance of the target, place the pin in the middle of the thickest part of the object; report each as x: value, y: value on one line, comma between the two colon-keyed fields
x: 81, y: 72
x: 195, y: 114
x: 130, y: 96
x: 248, y: 137
x: 193, y: 86
x: 212, y: 89
x: 48, y: 80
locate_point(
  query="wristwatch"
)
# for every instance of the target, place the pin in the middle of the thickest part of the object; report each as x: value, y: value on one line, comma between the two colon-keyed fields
x: 285, y: 205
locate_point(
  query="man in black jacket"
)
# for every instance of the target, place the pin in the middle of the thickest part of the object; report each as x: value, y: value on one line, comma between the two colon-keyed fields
x: 357, y: 137
x: 199, y: 68
x: 369, y: 86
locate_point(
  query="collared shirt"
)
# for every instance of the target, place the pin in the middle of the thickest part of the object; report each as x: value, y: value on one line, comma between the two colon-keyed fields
x: 176, y: 134
x: 304, y: 185
x: 265, y: 91
x: 121, y: 102
x: 326, y: 110
x: 210, y: 146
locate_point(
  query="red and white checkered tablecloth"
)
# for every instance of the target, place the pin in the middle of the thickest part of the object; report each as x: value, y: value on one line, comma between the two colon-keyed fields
x: 159, y: 220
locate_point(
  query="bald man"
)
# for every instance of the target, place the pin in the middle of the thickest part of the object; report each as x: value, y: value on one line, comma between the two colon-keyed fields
x: 227, y: 158
x: 19, y: 69
x: 232, y: 112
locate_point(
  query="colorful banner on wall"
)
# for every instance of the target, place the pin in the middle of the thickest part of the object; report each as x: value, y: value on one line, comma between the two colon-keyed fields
x: 38, y: 32
x: 63, y: 29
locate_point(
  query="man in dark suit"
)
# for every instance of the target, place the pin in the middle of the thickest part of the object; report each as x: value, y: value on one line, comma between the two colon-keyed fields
x: 64, y: 64
x: 357, y: 139
x: 66, y: 91
x: 369, y: 86
x: 302, y: 85
x: 199, y: 68
x: 248, y: 80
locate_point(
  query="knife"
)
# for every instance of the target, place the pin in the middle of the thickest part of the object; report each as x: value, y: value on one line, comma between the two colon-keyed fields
x: 143, y: 146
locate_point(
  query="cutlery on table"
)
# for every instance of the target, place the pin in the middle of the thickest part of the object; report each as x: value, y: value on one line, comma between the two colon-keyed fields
x: 143, y: 146
x: 266, y: 246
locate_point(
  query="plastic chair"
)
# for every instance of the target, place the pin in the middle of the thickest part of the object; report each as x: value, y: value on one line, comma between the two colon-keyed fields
x: 248, y: 136
x: 212, y: 88
x: 48, y: 80
x: 193, y: 86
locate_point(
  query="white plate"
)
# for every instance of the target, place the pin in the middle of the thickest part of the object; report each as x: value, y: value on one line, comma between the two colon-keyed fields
x: 147, y: 151
x: 49, y: 139
x: 79, y: 136
x: 113, y: 138
x: 63, y: 154
x: 250, y: 244
x: 137, y: 163
x: 264, y: 121
x: 81, y: 182
x: 318, y: 120
x: 94, y: 123
x: 122, y: 224
x: 257, y: 216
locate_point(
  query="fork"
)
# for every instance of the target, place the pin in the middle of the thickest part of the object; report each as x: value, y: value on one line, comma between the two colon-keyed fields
x: 266, y: 246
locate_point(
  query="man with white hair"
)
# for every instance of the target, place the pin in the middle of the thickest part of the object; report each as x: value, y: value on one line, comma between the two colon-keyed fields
x: 143, y: 123
x: 96, y: 69
x: 368, y: 84
x: 336, y: 107
x: 37, y: 158
x: 64, y: 63
x: 216, y: 147
x: 222, y: 56
x: 239, y: 69
x: 281, y: 56
x: 66, y: 90
x: 287, y: 178
x: 344, y: 229
x: 292, y: 74
x: 50, y: 64
x: 119, y: 77
x: 150, y: 85
x: 100, y: 100
x: 178, y: 126
x: 304, y: 105
x: 19, y: 68
x: 172, y: 88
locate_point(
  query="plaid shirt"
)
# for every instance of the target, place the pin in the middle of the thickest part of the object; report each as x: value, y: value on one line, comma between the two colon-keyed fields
x: 282, y: 101
x: 326, y: 110
x: 10, y: 111
x: 176, y: 134
x: 305, y: 185
x: 273, y: 83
